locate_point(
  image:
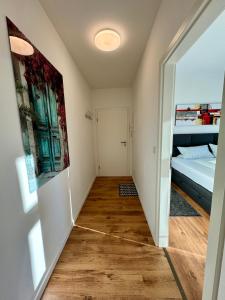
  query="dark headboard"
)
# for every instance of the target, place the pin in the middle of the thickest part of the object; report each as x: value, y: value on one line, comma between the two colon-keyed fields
x: 194, y: 139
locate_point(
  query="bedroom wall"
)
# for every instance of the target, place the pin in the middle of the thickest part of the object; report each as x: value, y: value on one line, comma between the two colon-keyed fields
x: 199, y: 78
x: 111, y: 98
x: 197, y: 87
x: 31, y: 241
x: 146, y: 100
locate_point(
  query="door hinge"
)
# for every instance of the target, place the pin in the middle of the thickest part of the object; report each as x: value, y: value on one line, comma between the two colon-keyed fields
x: 99, y: 167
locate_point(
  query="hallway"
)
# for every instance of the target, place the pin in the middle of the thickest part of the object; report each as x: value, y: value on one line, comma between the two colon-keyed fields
x: 110, y: 253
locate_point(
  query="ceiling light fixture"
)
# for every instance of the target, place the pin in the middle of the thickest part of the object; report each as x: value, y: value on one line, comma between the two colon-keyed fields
x: 107, y: 40
x: 20, y: 46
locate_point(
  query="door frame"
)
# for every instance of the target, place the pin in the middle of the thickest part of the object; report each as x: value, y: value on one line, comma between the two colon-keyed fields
x: 129, y: 135
x: 199, y: 19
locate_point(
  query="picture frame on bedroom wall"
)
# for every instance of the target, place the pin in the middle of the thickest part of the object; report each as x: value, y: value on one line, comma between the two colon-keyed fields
x: 197, y: 114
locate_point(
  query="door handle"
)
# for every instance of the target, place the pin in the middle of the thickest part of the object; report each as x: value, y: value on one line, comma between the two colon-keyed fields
x: 124, y: 143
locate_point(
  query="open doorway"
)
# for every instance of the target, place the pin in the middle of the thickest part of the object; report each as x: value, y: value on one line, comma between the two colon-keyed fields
x: 197, y: 108
x: 187, y: 235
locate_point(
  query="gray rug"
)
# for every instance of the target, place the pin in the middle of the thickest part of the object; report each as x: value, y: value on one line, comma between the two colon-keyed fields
x: 127, y: 190
x: 180, y: 207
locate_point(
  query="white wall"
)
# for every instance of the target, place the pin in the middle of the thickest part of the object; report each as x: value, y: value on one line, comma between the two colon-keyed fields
x: 200, y: 72
x: 222, y: 279
x: 108, y: 98
x: 197, y: 86
x: 146, y: 100
x: 111, y: 98
x: 53, y: 209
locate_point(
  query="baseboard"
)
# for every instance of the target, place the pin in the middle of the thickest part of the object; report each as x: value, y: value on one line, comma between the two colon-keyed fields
x: 48, y: 274
x: 84, y: 198
x: 153, y: 234
x: 163, y: 241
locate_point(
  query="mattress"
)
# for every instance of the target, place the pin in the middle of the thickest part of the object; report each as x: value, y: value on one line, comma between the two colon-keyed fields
x: 201, y: 171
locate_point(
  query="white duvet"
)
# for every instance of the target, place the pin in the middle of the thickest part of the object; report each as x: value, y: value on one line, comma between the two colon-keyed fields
x: 201, y: 171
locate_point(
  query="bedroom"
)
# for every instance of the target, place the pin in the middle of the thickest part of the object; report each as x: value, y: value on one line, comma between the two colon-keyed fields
x: 198, y: 96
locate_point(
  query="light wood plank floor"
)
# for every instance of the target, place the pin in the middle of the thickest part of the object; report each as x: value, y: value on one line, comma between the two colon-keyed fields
x: 188, y: 247
x: 110, y: 254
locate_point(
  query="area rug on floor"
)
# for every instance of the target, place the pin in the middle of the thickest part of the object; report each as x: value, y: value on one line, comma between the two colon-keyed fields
x: 127, y: 190
x: 180, y: 207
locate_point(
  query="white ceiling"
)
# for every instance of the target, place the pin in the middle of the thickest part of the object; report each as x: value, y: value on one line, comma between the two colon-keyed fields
x: 77, y: 21
x: 207, y: 55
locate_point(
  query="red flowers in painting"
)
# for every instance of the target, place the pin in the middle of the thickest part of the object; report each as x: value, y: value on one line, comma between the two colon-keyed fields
x: 39, y: 72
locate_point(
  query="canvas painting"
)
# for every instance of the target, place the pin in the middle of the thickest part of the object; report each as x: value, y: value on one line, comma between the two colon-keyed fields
x: 40, y: 100
x: 198, y: 114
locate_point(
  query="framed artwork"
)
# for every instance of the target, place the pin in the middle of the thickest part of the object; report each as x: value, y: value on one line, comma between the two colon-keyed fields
x: 40, y: 100
x: 198, y: 114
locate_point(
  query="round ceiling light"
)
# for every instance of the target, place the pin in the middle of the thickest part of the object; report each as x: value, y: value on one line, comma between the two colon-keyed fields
x: 20, y: 46
x: 107, y: 40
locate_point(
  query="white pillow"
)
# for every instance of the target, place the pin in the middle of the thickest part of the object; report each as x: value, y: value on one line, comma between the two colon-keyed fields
x: 214, y: 149
x: 195, y: 152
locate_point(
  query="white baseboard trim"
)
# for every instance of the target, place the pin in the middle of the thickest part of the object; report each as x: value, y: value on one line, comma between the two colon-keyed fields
x: 163, y: 241
x: 49, y: 272
x: 139, y: 194
x: 84, y: 198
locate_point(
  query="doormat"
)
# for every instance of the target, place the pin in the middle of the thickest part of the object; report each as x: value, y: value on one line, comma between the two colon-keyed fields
x: 128, y: 190
x: 180, y: 207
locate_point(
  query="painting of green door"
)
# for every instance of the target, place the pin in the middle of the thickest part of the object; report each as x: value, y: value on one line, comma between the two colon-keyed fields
x: 41, y: 104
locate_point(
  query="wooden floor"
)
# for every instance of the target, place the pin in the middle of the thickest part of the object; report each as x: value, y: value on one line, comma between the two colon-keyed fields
x: 110, y: 254
x: 188, y: 246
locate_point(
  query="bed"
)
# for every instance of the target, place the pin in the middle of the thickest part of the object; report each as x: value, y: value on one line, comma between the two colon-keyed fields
x: 195, y: 177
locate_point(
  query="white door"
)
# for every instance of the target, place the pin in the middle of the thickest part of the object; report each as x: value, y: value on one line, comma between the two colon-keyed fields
x: 112, y: 142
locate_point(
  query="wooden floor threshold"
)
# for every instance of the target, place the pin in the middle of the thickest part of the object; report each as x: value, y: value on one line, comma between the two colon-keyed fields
x: 182, y: 292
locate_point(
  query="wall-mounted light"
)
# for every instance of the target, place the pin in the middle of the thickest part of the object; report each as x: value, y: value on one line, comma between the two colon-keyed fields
x: 107, y: 40
x: 20, y: 46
